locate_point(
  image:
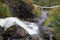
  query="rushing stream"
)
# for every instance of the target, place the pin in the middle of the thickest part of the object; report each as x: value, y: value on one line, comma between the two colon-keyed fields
x: 31, y: 28
x: 42, y: 18
x: 7, y: 22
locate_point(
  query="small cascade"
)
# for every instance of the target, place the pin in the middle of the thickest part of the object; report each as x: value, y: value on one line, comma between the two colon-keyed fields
x: 31, y: 28
x: 42, y: 18
x: 7, y: 22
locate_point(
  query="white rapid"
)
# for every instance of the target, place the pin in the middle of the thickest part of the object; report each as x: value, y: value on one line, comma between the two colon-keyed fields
x: 42, y: 18
x: 7, y: 22
x: 31, y: 28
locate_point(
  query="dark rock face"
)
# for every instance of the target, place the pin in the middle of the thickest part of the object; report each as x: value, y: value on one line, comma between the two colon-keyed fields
x: 25, y: 10
x: 6, y: 34
x: 14, y: 32
x: 21, y: 9
x: 19, y: 34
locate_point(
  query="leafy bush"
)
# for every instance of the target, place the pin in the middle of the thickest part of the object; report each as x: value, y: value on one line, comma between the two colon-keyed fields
x: 47, y: 2
x: 50, y: 17
x: 36, y: 10
x: 4, y: 10
x: 57, y: 25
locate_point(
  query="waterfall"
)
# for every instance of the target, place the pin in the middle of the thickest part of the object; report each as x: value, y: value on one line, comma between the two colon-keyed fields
x: 40, y: 21
x: 42, y: 18
x: 7, y: 22
x: 31, y: 28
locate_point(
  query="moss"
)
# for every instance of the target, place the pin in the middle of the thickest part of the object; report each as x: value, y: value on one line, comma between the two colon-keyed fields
x: 4, y: 10
x: 55, y: 18
x: 50, y: 15
x: 57, y: 29
x: 51, y: 11
x: 29, y: 2
x: 57, y: 10
x: 36, y: 10
x: 57, y: 25
x: 48, y: 21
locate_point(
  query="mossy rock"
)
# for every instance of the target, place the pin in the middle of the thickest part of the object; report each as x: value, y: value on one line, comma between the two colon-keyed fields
x: 24, y: 9
x: 37, y: 10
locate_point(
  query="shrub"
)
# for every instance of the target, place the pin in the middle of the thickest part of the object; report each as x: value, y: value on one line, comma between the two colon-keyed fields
x: 4, y: 10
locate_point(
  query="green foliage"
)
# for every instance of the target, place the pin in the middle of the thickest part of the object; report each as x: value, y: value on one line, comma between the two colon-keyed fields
x: 57, y: 25
x: 36, y: 10
x: 29, y: 2
x: 54, y: 18
x: 48, y: 21
x: 57, y: 10
x: 47, y: 2
x: 50, y: 15
x: 4, y: 10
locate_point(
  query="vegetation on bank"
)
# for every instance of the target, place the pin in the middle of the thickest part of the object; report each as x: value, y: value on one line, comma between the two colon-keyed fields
x: 4, y: 10
x: 47, y: 2
x: 29, y: 10
x: 54, y: 20
x: 57, y: 23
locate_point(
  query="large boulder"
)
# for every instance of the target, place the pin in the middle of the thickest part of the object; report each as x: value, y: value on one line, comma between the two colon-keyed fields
x: 23, y: 8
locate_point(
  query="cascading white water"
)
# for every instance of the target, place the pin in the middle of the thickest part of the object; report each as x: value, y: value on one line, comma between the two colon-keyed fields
x: 7, y: 22
x: 43, y: 17
x: 31, y: 28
